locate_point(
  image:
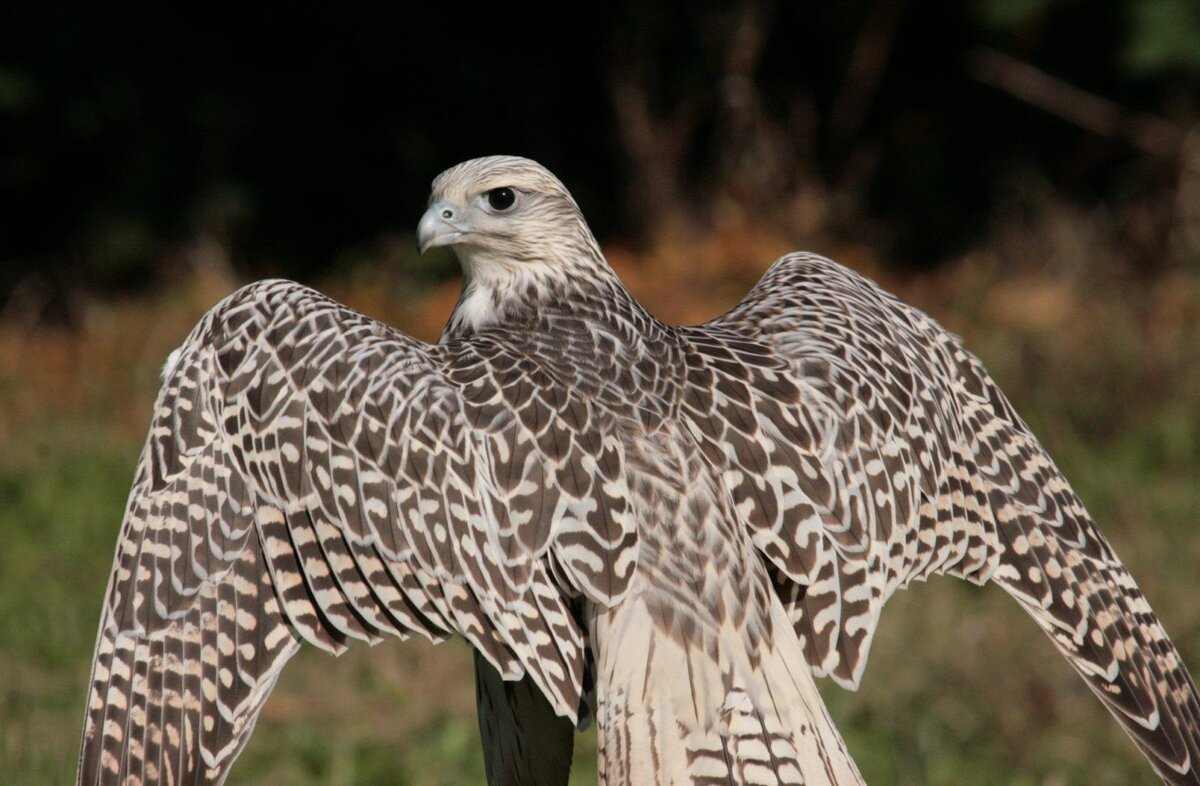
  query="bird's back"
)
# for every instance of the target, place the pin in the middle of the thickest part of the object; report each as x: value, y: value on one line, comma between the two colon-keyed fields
x: 699, y: 675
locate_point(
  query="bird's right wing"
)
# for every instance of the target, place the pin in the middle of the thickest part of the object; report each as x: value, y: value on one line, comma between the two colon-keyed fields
x: 314, y: 475
x: 864, y: 448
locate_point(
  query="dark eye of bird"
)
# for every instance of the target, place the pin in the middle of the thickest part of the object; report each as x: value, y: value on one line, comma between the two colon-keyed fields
x: 501, y: 198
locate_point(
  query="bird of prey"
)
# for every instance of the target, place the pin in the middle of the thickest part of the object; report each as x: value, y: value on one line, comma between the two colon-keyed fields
x: 669, y: 530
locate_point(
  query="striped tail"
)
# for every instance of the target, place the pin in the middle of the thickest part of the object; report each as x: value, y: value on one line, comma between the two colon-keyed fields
x: 678, y: 710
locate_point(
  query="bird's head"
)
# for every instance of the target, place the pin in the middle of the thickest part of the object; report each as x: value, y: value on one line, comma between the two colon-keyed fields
x: 503, y: 212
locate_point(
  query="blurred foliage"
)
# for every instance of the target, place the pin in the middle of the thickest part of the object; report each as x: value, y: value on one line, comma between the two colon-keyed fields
x: 129, y: 131
x: 1164, y: 37
x: 1007, y: 14
x: 1157, y: 39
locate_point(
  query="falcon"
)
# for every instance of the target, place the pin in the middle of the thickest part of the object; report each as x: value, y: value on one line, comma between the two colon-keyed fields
x: 667, y: 530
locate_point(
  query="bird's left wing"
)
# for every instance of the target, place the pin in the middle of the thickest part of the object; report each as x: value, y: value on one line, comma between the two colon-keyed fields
x: 863, y: 448
x: 314, y: 475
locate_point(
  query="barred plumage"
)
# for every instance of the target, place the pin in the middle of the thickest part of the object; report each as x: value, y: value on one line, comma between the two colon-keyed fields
x: 671, y: 528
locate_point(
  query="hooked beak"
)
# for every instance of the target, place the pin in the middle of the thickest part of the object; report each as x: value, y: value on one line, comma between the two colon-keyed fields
x: 436, y: 228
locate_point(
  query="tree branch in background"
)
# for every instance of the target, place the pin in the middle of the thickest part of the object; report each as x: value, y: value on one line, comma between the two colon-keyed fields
x: 1150, y: 134
x: 872, y: 51
x: 1097, y: 114
x: 656, y: 144
x: 753, y: 159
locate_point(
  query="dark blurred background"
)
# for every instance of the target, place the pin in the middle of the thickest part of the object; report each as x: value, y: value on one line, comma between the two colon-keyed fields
x: 1028, y: 171
x: 297, y: 137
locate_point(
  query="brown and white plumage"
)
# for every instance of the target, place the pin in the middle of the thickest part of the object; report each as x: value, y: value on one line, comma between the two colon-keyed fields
x: 671, y: 528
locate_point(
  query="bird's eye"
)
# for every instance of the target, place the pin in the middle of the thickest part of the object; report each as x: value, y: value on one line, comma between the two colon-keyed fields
x: 501, y: 199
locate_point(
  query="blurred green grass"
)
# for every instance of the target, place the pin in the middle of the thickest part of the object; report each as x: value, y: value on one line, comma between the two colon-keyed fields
x: 961, y: 687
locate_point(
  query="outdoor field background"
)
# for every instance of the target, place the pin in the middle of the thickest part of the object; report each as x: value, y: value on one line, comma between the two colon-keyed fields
x: 1050, y: 217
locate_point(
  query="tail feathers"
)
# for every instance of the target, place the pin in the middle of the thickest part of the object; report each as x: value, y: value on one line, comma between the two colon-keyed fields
x: 708, y: 710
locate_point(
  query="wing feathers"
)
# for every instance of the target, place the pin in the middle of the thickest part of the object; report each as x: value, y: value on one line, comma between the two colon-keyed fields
x: 897, y: 457
x: 314, y: 475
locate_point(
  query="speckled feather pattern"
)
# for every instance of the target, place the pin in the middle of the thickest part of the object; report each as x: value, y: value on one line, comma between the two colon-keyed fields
x: 669, y: 529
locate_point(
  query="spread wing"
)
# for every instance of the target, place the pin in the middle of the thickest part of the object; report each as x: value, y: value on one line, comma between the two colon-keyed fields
x: 865, y: 448
x: 313, y: 475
